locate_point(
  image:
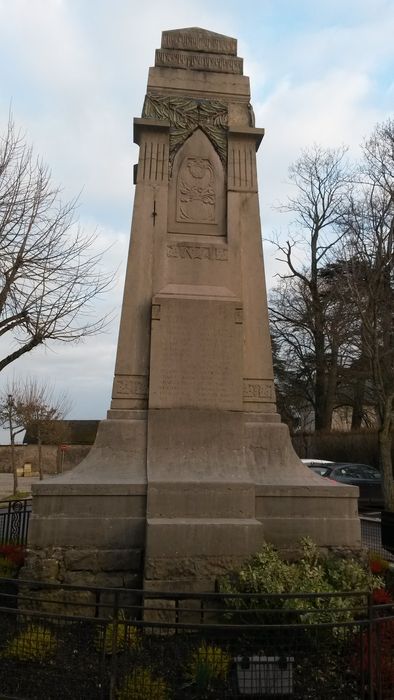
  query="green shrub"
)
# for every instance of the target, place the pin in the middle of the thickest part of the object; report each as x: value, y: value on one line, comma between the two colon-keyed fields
x: 7, y: 568
x: 11, y: 559
x: 267, y: 573
x: 116, y: 637
x: 208, y: 663
x: 142, y: 685
x: 35, y: 643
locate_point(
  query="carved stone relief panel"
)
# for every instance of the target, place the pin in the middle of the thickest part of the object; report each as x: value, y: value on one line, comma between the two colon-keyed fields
x: 185, y: 115
x: 197, y: 189
x: 130, y: 386
x: 196, y: 195
x: 258, y: 391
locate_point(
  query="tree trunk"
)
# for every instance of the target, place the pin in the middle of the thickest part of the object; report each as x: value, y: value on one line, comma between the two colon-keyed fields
x: 358, y: 404
x: 13, y: 465
x: 39, y: 442
x: 386, y: 463
x: 331, y: 389
x: 320, y: 383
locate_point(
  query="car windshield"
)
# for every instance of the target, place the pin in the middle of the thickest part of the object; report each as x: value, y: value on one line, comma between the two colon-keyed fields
x: 357, y: 471
x: 322, y: 471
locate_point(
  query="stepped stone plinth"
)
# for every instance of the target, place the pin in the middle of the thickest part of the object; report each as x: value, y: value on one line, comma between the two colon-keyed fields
x: 192, y: 470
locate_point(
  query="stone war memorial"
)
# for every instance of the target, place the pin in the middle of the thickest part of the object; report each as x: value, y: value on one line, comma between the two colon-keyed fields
x: 192, y: 470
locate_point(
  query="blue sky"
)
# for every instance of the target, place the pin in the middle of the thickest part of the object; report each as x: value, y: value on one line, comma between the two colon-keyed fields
x: 75, y: 74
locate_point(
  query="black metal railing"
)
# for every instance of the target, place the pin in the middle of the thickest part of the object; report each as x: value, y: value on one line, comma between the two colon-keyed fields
x: 69, y: 642
x: 14, y: 521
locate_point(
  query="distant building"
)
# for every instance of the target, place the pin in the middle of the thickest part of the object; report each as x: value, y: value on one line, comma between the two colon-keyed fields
x: 70, y: 432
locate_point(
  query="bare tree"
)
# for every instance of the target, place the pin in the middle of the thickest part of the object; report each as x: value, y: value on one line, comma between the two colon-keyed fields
x: 305, y: 315
x: 10, y: 419
x: 48, y: 268
x: 370, y: 279
x: 40, y: 410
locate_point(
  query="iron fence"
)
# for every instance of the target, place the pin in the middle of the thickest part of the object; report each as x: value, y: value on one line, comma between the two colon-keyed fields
x: 69, y: 642
x: 371, y: 535
x: 14, y: 521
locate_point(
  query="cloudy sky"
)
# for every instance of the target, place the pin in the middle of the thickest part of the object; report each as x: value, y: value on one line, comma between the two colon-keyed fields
x: 75, y: 71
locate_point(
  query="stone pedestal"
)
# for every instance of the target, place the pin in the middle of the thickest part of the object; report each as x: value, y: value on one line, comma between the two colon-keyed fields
x: 192, y: 470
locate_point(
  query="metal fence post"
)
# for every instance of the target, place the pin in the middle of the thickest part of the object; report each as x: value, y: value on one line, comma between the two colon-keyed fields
x: 113, y: 666
x: 370, y: 649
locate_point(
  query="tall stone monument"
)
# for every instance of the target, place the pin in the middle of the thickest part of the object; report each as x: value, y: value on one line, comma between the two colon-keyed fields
x: 192, y: 470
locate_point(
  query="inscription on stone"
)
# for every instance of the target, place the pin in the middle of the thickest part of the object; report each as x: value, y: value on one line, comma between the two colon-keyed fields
x: 258, y: 391
x: 199, y: 61
x: 187, y: 251
x: 192, y: 40
x: 133, y: 386
x: 192, y: 365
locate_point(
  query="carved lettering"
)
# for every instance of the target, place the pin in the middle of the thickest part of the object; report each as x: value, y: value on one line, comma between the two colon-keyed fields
x: 258, y: 391
x: 199, y: 41
x: 131, y: 386
x: 194, y: 364
x: 196, y: 252
x: 199, y: 61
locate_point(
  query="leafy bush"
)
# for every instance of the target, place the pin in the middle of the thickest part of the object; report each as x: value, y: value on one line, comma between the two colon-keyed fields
x: 267, y: 573
x: 14, y: 553
x: 7, y: 569
x: 116, y: 637
x: 142, y: 685
x: 377, y: 564
x: 35, y: 643
x: 208, y: 664
x: 375, y: 653
x: 12, y: 557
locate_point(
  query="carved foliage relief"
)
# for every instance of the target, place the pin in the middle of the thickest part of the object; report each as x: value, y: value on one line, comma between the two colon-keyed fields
x: 185, y: 116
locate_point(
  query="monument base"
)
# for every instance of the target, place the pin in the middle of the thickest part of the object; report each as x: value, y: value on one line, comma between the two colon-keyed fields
x: 88, y: 525
x: 132, y: 515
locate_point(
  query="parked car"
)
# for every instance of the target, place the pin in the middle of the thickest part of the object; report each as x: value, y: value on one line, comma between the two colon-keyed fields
x: 312, y: 462
x: 367, y: 478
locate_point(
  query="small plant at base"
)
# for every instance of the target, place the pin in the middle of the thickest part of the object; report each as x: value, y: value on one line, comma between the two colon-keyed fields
x: 7, y: 568
x: 209, y: 663
x: 12, y: 557
x: 377, y: 564
x: 381, y: 597
x: 142, y: 685
x: 14, y: 553
x: 35, y: 643
x: 116, y: 637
